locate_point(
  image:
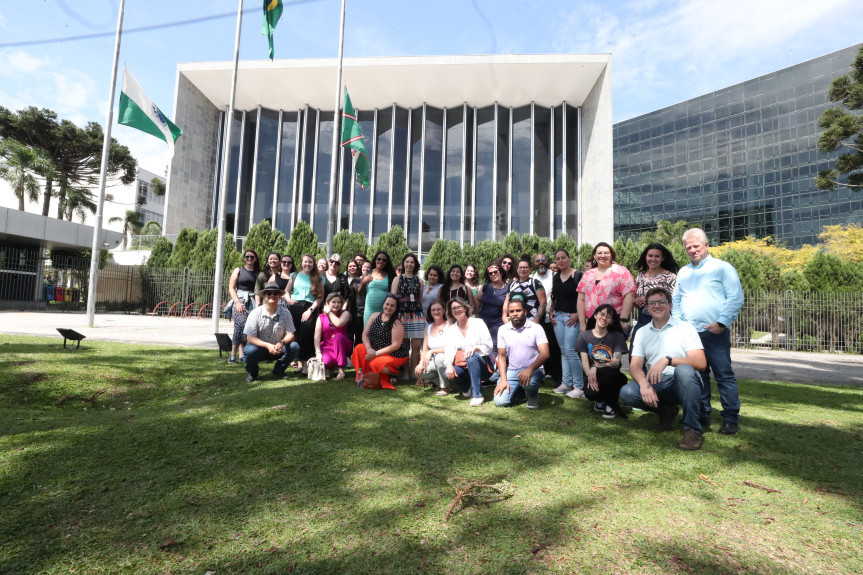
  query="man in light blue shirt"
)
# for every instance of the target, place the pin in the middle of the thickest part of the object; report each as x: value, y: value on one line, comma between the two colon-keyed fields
x: 708, y: 295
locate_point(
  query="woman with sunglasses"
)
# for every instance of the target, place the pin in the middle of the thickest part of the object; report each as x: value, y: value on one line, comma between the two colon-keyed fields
x: 286, y: 263
x: 531, y: 291
x: 490, y: 298
x: 306, y: 297
x: 241, y: 286
x: 601, y: 348
x: 468, y: 346
x: 377, y: 284
x: 334, y: 280
x: 384, y: 349
x: 507, y: 266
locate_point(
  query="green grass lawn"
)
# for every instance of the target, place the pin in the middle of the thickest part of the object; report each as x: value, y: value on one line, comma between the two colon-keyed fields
x: 182, y: 467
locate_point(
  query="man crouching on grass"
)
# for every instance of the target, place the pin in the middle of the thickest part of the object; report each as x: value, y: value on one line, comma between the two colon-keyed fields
x: 671, y: 352
x: 522, y: 349
x: 270, y: 334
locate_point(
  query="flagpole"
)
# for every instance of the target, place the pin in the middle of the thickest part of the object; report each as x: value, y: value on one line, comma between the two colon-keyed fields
x: 96, y: 251
x: 223, y: 187
x: 337, y: 116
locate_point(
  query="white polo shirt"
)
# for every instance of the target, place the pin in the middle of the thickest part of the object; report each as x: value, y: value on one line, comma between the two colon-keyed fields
x: 675, y: 339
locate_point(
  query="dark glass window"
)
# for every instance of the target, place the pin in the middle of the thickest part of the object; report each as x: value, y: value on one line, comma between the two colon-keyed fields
x: 363, y: 197
x: 233, y: 171
x: 265, y: 170
x: 571, y: 187
x: 310, y: 126
x: 542, y: 171
x: 454, y: 175
x: 521, y: 148
x: 432, y: 177
x: 486, y: 131
x: 380, y: 220
x: 416, y: 143
x: 400, y: 167
x: 501, y: 221
x: 322, y: 178
x: 248, y: 164
x: 287, y: 166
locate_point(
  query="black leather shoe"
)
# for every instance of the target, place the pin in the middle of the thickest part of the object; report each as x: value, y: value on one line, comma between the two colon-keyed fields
x: 728, y: 428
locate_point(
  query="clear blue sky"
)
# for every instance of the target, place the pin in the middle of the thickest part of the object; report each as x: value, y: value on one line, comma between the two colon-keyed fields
x: 663, y: 52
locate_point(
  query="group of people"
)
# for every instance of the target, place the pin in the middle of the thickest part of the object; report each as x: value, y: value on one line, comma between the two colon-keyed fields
x: 527, y: 318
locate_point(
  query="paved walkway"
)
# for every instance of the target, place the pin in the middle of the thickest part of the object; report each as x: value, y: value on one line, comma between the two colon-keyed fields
x: 798, y: 367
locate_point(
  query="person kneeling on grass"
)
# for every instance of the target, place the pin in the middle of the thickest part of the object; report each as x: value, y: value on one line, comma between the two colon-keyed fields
x: 600, y: 349
x: 269, y: 334
x: 384, y: 349
x: 522, y: 349
x: 667, y: 355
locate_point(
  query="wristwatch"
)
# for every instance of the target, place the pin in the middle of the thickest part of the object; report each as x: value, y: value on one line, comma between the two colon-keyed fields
x: 668, y: 357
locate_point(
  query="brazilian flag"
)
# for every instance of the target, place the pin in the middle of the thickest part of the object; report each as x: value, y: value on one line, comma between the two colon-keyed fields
x: 272, y: 13
x: 352, y: 137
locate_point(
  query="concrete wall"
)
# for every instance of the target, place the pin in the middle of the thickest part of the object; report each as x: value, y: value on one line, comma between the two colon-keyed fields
x: 596, y: 192
x: 192, y: 174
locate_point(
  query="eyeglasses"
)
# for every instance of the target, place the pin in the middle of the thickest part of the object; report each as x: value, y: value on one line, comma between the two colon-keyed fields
x: 492, y: 272
x: 456, y: 308
x: 540, y: 260
x: 335, y: 262
x: 249, y: 257
x: 380, y: 259
x: 271, y: 294
x: 657, y: 302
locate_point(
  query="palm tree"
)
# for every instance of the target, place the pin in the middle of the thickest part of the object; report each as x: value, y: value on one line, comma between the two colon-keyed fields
x: 132, y: 224
x: 79, y: 201
x: 20, y: 163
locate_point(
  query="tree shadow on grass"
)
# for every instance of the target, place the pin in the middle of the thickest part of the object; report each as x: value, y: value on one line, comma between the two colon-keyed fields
x: 324, y: 477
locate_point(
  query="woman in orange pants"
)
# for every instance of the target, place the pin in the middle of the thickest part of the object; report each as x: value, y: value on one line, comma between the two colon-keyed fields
x: 384, y: 349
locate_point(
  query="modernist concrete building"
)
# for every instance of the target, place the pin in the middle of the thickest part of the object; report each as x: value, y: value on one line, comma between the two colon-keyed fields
x: 739, y: 161
x: 466, y: 148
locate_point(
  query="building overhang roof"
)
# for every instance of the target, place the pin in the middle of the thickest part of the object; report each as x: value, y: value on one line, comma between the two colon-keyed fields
x: 51, y: 233
x: 439, y: 81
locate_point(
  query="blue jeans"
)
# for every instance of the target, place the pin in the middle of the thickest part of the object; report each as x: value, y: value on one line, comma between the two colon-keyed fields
x: 717, y: 348
x: 570, y: 361
x: 683, y: 388
x: 470, y: 378
x: 253, y: 355
x: 532, y: 389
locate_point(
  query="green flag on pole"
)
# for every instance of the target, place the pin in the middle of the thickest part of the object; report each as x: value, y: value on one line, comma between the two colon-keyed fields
x: 352, y: 137
x: 272, y: 13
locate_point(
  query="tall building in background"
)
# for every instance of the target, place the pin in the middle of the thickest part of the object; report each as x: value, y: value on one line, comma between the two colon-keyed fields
x: 739, y: 161
x: 465, y: 148
x: 151, y: 206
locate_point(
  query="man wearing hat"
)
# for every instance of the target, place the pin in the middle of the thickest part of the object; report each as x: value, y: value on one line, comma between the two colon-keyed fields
x: 269, y: 334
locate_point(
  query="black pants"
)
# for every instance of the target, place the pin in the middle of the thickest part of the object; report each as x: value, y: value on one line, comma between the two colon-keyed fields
x: 552, y: 365
x: 610, y: 382
x: 305, y: 334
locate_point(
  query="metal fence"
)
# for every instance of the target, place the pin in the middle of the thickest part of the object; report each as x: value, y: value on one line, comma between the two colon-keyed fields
x: 800, y: 321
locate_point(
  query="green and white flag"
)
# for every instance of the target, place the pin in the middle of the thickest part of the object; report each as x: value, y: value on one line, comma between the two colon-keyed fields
x: 139, y: 112
x: 352, y: 137
x: 272, y: 13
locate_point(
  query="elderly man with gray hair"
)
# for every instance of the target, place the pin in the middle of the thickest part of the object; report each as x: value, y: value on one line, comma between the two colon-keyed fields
x: 708, y: 296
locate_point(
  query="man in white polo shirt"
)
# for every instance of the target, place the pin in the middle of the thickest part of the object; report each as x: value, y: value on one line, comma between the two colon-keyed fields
x: 522, y: 348
x: 667, y: 355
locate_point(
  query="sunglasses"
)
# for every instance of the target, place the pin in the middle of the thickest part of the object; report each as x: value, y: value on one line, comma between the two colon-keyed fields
x: 380, y: 259
x: 249, y: 257
x: 335, y: 262
x: 492, y: 272
x: 287, y: 263
x: 271, y: 294
x: 540, y: 261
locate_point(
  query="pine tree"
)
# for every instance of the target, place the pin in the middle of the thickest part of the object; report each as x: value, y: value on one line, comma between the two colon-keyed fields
x: 346, y: 244
x: 187, y: 239
x: 264, y: 239
x: 160, y: 254
x: 844, y: 130
x: 393, y: 243
x: 302, y: 241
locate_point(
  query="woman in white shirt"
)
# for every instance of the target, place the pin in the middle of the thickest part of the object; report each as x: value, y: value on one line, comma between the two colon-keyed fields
x: 468, y: 347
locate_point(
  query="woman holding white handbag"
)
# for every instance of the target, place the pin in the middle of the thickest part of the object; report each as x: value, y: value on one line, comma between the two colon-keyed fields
x: 332, y: 345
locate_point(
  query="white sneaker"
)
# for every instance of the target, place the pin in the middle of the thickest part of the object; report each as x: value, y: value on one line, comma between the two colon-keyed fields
x: 575, y: 393
x: 477, y: 401
x: 562, y: 389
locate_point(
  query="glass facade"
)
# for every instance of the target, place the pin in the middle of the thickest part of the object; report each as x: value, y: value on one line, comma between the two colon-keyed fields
x: 738, y: 162
x: 461, y: 173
